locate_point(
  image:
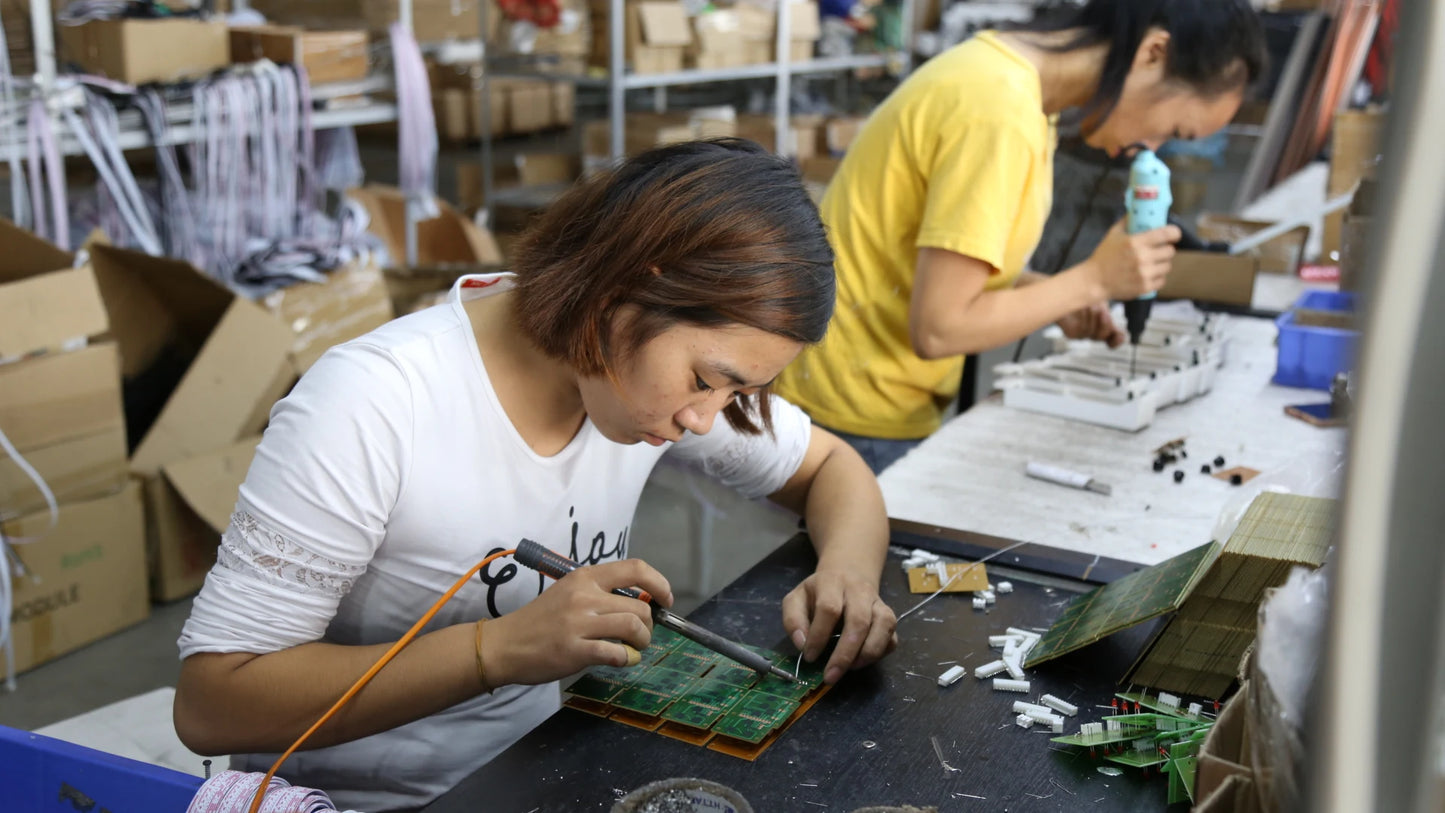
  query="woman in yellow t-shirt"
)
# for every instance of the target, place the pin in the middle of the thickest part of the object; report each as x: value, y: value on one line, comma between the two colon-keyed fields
x: 943, y: 196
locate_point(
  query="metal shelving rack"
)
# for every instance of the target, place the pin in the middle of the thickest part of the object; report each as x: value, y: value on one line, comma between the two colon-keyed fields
x: 132, y: 132
x: 619, y: 80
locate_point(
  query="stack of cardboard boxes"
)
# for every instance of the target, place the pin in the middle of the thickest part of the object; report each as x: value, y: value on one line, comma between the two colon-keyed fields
x: 661, y: 37
x: 131, y: 347
x: 517, y: 106
x: 60, y: 407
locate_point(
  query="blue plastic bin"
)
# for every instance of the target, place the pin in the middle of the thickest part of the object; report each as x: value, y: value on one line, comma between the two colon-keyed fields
x: 1311, y: 356
x: 43, y: 775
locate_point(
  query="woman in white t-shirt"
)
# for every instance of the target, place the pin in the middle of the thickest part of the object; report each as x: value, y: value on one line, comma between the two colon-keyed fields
x: 644, y: 303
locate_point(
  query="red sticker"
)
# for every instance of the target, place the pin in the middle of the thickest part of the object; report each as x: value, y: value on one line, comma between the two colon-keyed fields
x: 1146, y: 193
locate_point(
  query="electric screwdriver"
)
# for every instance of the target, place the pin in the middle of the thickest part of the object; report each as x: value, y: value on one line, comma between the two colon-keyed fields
x: 1147, y: 202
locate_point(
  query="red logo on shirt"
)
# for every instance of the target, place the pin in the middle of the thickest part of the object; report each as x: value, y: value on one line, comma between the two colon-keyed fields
x: 1146, y: 193
x: 479, y: 283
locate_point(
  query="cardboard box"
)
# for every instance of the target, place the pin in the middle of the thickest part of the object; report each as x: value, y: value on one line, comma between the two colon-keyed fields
x: 451, y: 238
x: 47, y: 304
x: 62, y: 411
x: 803, y: 129
x: 805, y: 28
x: 351, y: 302
x: 840, y: 132
x: 236, y: 362
x: 140, y: 51
x: 1282, y: 255
x: 459, y: 113
x: 1209, y: 277
x: 718, y: 41
x: 1355, y: 143
x: 59, y: 407
x: 327, y: 56
x: 758, y: 28
x: 529, y: 104
x: 658, y: 36
x: 564, y: 104
x: 240, y: 364
x: 431, y: 20
x: 643, y: 131
x: 189, y: 508
x: 544, y: 169
x: 90, y: 576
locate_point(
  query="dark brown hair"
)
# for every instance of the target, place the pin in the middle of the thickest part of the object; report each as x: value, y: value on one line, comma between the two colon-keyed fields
x: 708, y: 233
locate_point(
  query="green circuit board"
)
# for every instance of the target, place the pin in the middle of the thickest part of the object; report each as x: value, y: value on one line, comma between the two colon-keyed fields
x: 1121, y: 604
x: 683, y: 683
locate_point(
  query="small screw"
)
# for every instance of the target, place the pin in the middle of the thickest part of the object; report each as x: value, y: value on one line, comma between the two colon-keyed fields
x: 206, y: 763
x: 1236, y: 479
x: 1204, y: 469
x: 1178, y: 476
x: 1159, y: 464
x: 1219, y: 462
x: 1183, y: 453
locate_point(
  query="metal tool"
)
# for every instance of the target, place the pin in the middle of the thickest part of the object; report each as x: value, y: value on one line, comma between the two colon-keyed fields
x: 1066, y: 477
x: 555, y: 565
x: 1147, y: 201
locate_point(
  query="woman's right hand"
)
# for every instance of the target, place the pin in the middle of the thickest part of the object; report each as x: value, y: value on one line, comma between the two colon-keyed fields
x: 1130, y: 265
x: 574, y: 624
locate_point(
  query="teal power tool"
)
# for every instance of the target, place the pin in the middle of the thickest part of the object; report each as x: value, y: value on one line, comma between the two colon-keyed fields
x: 1147, y: 201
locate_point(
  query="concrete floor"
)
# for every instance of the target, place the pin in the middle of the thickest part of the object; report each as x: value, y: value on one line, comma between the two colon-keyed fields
x: 700, y: 535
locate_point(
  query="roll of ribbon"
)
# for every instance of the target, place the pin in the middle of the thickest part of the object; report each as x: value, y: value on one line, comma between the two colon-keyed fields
x: 232, y: 792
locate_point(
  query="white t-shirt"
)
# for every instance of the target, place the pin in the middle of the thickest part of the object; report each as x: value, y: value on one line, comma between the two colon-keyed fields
x: 389, y: 471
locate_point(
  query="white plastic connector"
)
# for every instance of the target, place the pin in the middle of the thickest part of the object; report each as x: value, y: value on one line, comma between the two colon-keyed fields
x: 990, y: 586
x: 1091, y: 730
x: 1195, y: 709
x: 1043, y: 716
x: 989, y: 669
x: 1011, y: 648
x: 1001, y: 640
x: 925, y: 555
x: 1006, y: 685
x: 979, y: 603
x: 989, y: 596
x: 952, y: 676
x: 1112, y: 726
x: 1144, y: 744
x: 1013, y: 663
x: 1168, y: 700
x: 1057, y: 725
x: 1061, y: 706
x: 1005, y: 587
x: 1024, y: 721
x: 940, y: 570
x: 1025, y: 707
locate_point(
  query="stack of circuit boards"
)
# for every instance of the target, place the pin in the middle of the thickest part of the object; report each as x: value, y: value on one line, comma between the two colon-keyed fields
x: 684, y: 690
x: 1163, y: 737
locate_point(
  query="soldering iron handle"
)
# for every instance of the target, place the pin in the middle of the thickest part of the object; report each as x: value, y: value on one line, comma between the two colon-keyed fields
x: 550, y: 563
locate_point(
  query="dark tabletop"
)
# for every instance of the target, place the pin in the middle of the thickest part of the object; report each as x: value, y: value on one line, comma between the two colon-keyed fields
x: 870, y: 740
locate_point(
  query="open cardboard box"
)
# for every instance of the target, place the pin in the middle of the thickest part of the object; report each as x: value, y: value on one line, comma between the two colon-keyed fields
x: 1205, y: 276
x: 60, y: 398
x: 448, y: 245
x: 233, y: 360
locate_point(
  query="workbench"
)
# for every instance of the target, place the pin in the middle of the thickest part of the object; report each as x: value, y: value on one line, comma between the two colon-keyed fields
x: 970, y: 474
x: 869, y: 740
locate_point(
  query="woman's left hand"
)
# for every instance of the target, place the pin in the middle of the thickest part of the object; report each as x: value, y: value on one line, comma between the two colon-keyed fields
x: 1094, y: 323
x: 812, y: 611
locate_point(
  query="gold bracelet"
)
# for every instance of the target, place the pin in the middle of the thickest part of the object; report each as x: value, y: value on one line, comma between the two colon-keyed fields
x: 481, y: 667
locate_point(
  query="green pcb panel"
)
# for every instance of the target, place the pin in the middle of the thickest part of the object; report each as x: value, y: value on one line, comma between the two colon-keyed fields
x: 685, y: 683
x: 1137, y: 597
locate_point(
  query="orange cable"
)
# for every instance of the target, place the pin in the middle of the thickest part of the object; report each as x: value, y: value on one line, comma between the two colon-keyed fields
x: 371, y: 673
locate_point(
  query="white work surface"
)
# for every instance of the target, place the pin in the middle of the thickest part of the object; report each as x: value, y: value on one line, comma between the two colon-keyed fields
x: 969, y: 475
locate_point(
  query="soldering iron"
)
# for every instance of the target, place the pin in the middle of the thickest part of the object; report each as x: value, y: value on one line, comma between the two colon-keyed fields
x: 548, y: 563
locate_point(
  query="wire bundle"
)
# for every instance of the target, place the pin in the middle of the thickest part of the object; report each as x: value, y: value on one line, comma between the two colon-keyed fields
x: 232, y: 792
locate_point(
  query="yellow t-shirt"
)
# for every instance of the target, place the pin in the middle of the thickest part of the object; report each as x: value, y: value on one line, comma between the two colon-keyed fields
x: 959, y: 157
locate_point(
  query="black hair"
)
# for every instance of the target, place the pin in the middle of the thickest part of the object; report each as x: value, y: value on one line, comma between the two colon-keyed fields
x: 1215, y: 46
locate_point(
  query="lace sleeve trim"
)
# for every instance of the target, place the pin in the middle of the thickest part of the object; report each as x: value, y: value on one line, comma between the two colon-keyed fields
x: 251, y: 548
